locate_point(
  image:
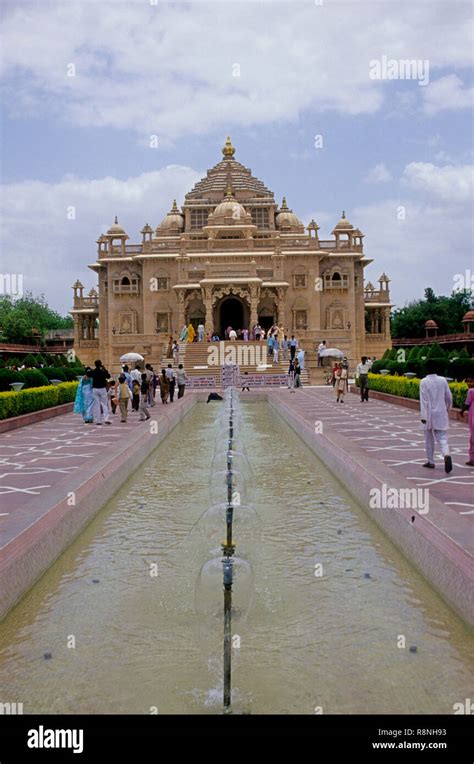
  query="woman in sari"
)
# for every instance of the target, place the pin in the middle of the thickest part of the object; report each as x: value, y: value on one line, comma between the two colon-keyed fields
x: 191, y: 332
x: 184, y: 334
x: 169, y: 349
x: 84, y: 402
x: 164, y: 386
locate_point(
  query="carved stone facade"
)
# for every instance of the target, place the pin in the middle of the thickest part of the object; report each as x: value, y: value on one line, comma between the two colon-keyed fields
x: 230, y: 256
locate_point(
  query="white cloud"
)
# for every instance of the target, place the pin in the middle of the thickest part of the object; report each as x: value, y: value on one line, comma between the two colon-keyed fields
x: 447, y: 93
x: 378, y: 174
x: 450, y: 183
x: 168, y: 69
x: 428, y: 248
x: 39, y: 241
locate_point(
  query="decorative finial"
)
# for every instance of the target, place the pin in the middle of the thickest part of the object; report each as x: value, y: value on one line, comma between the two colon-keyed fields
x: 343, y: 214
x: 116, y: 221
x: 174, y: 208
x: 284, y: 205
x: 228, y: 149
x: 229, y: 193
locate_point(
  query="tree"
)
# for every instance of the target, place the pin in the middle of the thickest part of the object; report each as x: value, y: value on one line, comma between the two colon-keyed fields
x: 446, y: 311
x: 28, y: 316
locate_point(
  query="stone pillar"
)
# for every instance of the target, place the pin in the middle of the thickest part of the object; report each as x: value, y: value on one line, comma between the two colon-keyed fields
x: 281, y: 307
x: 254, y: 296
x: 180, y: 296
x: 209, y: 321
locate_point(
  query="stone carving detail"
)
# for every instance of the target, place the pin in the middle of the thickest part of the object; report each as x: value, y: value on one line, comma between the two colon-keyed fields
x: 225, y: 291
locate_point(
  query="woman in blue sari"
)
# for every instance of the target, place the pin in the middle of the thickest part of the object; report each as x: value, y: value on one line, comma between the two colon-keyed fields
x: 84, y: 401
x: 184, y: 334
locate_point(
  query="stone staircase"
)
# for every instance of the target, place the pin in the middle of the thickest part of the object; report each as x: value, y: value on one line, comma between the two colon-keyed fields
x: 202, y: 359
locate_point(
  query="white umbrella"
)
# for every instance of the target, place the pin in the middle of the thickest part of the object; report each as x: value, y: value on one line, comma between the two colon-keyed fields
x: 334, y: 352
x: 130, y: 357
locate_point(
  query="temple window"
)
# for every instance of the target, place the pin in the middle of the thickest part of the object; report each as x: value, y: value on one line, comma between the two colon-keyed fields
x: 260, y: 217
x: 162, y: 322
x: 299, y: 280
x: 199, y: 218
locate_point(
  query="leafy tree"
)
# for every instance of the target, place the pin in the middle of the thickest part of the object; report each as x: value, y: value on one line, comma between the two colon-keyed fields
x: 28, y: 316
x: 446, y: 311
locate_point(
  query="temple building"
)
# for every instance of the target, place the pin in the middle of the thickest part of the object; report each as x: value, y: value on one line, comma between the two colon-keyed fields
x: 230, y: 256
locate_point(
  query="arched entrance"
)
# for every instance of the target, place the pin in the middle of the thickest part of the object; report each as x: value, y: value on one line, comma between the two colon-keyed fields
x: 231, y: 311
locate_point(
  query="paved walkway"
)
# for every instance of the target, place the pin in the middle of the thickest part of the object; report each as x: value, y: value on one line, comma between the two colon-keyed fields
x: 38, y: 460
x: 393, y: 435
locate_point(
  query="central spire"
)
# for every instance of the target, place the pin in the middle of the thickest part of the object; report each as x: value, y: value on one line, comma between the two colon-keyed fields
x: 228, y: 149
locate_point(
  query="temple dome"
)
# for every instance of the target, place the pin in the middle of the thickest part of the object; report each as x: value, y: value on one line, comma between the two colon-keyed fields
x: 286, y: 218
x: 116, y: 229
x: 230, y: 207
x: 343, y: 224
x: 173, y: 220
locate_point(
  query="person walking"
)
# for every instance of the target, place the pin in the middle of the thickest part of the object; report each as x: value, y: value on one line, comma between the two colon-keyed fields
x: 363, y: 369
x: 468, y: 405
x: 321, y: 347
x: 340, y: 385
x: 298, y: 382
x: 293, y: 345
x: 435, y: 402
x: 201, y: 330
x: 300, y: 357
x: 84, y: 401
x: 144, y: 413
x: 171, y: 377
x: 181, y: 379
x: 291, y: 375
x: 164, y: 386
x: 276, y: 348
x: 232, y: 334
x: 285, y: 347
x: 123, y: 397
x: 100, y: 375
x: 245, y: 335
x: 175, y: 353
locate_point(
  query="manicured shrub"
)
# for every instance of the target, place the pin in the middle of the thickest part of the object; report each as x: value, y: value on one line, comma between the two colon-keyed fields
x: 414, y: 353
x: 13, y: 362
x: 34, y: 378
x: 40, y: 360
x: 436, y: 351
x: 54, y: 372
x: 410, y: 388
x: 35, y: 399
x: 70, y: 373
x: 461, y: 369
x: 7, y: 376
x: 441, y: 365
x: 29, y: 361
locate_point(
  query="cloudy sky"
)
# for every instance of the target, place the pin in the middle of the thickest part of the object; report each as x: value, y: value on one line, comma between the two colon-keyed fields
x: 115, y: 108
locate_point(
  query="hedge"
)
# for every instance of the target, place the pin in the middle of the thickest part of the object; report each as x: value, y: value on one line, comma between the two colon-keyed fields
x: 410, y: 388
x: 37, y: 398
x: 34, y: 378
x: 7, y: 376
x: 54, y: 372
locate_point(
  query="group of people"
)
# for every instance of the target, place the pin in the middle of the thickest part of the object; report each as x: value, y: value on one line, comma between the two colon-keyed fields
x: 100, y: 394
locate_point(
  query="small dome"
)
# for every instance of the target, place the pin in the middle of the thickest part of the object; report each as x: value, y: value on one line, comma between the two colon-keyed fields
x: 116, y: 229
x: 286, y: 218
x: 147, y: 229
x: 469, y: 316
x: 102, y: 238
x: 384, y: 278
x: 230, y: 207
x: 369, y: 287
x: 173, y: 220
x: 343, y: 224
x: 430, y: 324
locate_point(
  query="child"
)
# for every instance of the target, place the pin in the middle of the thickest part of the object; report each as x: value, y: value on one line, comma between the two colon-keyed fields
x: 135, y: 395
x: 144, y: 414
x: 112, y: 394
x: 123, y: 395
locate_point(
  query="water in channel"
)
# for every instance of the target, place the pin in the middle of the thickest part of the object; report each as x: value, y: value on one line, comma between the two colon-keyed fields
x: 308, y: 641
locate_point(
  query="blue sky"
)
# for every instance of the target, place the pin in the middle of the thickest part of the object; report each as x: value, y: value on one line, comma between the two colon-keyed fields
x: 273, y: 76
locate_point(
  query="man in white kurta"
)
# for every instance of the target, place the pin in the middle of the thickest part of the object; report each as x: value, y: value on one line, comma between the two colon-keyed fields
x: 435, y: 402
